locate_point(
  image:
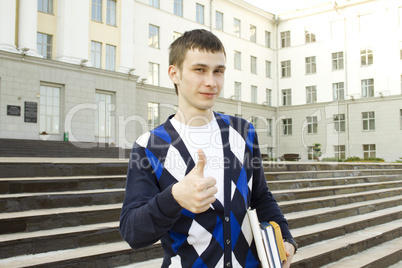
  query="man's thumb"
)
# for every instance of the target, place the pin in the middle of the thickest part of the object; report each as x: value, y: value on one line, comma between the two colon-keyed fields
x: 202, y: 161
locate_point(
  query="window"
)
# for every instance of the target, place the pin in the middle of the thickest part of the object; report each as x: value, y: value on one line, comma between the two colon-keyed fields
x: 45, y: 6
x: 253, y: 65
x: 176, y: 35
x: 337, y: 30
x: 49, y: 109
x: 236, y: 27
x: 200, y: 13
x: 368, y: 88
x: 153, y: 74
x: 178, y: 8
x: 400, y: 50
x: 111, y: 12
x: 339, y: 122
x: 254, y: 121
x: 269, y: 127
x: 337, y: 61
x: 103, y: 115
x: 285, y: 39
x: 310, y: 153
x: 400, y: 111
x: 366, y: 56
x: 270, y: 151
x: 153, y: 114
x: 153, y: 36
x: 219, y: 21
x: 253, y: 94
x: 44, y: 45
x: 367, y: 23
x: 253, y: 33
x: 237, y: 60
x: 268, y: 95
x: 312, y: 124
x: 285, y: 67
x: 311, y: 94
x: 110, y: 58
x: 340, y: 152
x: 237, y: 91
x: 96, y: 52
x: 311, y: 65
x: 368, y: 120
x: 154, y: 3
x: 310, y: 37
x: 96, y: 10
x: 268, y: 69
x: 287, y: 126
x: 369, y: 151
x: 268, y: 39
x: 400, y: 16
x: 338, y: 90
x: 286, y: 97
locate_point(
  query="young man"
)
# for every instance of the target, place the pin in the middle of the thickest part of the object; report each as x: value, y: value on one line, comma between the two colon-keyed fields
x: 191, y: 180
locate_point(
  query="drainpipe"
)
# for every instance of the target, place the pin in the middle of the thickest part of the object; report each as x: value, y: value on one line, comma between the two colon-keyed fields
x: 210, y: 15
x: 346, y: 91
x: 277, y: 129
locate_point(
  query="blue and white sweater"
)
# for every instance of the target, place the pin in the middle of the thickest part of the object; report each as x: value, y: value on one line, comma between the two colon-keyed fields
x: 218, y: 237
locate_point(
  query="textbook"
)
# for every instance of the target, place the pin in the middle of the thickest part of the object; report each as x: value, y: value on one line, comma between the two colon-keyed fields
x: 268, y: 241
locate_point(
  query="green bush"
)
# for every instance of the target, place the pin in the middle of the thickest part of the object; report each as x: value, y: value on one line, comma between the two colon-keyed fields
x: 369, y: 159
x: 373, y: 159
x: 353, y: 159
x: 331, y: 159
x: 399, y: 160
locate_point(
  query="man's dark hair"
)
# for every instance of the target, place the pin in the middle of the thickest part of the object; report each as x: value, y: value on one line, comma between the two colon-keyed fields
x: 200, y: 39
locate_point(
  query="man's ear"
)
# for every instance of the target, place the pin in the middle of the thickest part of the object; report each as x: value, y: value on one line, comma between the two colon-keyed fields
x: 173, y: 74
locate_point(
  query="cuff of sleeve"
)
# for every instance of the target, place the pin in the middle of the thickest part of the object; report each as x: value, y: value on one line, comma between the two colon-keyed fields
x: 167, y: 204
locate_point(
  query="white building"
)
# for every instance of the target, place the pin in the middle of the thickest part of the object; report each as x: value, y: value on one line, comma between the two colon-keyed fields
x: 330, y: 74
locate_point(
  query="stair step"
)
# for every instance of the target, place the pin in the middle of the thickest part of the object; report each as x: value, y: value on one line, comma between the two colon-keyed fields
x: 45, y: 219
x: 292, y: 175
x: 306, y: 218
x: 66, y: 183
x: 332, y: 201
x: 58, y: 239
x: 383, y: 255
x: 155, y: 263
x: 314, y: 233
x: 329, y: 251
x: 311, y: 183
x: 34, y: 201
x: 103, y: 255
x: 296, y: 194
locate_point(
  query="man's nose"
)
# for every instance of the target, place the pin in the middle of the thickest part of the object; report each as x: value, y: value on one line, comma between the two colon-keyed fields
x: 210, y: 80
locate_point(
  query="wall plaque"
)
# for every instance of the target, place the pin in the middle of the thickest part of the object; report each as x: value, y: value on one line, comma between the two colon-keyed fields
x: 31, y: 112
x: 13, y: 110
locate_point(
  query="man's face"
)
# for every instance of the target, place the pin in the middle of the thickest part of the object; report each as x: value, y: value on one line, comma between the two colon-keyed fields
x: 200, y: 79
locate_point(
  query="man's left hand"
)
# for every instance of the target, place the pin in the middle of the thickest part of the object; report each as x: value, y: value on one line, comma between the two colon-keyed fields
x: 290, y: 251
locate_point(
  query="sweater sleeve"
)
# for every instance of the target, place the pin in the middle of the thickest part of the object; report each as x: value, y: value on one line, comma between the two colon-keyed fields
x: 262, y: 199
x: 147, y: 213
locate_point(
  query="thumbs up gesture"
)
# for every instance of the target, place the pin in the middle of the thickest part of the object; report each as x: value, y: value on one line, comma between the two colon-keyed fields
x: 194, y: 192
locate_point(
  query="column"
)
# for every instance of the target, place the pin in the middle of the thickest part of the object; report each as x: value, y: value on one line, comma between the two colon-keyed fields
x: 127, y: 36
x: 28, y: 26
x: 72, y: 31
x: 7, y: 25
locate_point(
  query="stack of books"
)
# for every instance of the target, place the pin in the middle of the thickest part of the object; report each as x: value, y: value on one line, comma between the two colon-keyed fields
x: 268, y: 240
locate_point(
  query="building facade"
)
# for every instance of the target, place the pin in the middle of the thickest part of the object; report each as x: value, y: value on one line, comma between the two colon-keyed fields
x: 96, y: 71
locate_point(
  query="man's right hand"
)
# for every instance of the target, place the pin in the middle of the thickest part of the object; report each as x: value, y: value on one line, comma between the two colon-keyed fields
x: 194, y: 192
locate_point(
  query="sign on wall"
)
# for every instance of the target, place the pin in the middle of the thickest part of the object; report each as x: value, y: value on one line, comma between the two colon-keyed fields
x: 31, y: 112
x: 13, y: 110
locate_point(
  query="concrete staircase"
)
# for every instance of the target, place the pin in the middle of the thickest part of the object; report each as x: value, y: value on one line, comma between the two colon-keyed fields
x: 65, y: 213
x: 40, y: 148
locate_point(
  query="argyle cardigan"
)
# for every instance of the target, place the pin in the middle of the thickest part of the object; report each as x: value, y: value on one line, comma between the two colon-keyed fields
x: 218, y: 237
